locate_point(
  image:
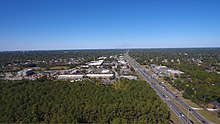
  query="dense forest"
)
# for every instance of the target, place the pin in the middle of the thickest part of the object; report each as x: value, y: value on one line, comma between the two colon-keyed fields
x: 88, y: 101
x: 200, y: 81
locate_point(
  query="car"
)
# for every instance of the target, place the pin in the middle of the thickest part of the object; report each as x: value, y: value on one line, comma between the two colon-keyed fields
x: 165, y: 96
x: 203, y: 122
x: 177, y: 97
x: 181, y: 114
x: 191, y: 122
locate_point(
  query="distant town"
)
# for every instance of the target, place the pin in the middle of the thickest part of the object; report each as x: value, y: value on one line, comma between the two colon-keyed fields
x: 105, y: 68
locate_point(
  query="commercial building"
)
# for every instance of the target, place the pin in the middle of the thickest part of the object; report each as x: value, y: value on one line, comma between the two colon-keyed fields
x: 173, y: 72
x: 99, y: 75
x: 105, y: 71
x: 165, y: 70
x: 70, y: 77
x: 96, y: 63
x: 130, y: 77
x: 26, y: 72
x: 102, y: 57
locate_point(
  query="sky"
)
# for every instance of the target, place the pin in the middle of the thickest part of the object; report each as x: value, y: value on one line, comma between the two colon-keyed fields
x: 108, y: 24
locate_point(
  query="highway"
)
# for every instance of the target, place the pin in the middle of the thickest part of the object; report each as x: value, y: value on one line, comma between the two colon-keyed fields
x: 198, y: 116
x: 160, y: 89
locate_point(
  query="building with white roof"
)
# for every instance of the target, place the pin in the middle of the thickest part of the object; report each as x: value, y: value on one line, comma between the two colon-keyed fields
x: 70, y: 77
x: 96, y: 63
x: 99, y: 75
x: 26, y: 72
x: 102, y: 57
x: 105, y: 71
x: 130, y: 77
x: 175, y: 71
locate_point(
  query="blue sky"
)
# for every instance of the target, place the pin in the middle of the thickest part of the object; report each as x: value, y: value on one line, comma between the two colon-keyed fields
x: 90, y: 24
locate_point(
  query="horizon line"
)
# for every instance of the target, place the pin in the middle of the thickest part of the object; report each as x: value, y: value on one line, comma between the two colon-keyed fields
x: 105, y: 49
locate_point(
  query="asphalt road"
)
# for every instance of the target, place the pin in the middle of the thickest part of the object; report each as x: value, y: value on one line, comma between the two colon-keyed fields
x: 151, y: 80
x: 198, y: 116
